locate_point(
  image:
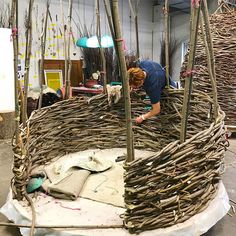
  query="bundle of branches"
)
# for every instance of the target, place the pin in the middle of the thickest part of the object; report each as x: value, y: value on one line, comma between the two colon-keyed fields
x: 224, y: 42
x: 93, y: 62
x: 131, y: 60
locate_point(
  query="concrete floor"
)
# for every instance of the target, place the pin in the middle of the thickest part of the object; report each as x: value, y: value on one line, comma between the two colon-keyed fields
x: 225, y: 227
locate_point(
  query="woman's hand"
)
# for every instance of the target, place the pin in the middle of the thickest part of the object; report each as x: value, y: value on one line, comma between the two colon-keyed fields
x: 139, y: 119
x: 156, y: 108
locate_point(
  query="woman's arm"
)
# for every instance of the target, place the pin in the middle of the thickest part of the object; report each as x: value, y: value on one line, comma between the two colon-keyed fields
x: 156, y: 108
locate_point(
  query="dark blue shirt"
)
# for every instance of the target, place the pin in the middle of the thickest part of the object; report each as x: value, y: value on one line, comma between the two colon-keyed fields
x: 155, y: 80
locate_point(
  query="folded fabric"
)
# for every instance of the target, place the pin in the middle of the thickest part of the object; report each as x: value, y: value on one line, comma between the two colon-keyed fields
x: 70, y: 186
x: 85, y: 160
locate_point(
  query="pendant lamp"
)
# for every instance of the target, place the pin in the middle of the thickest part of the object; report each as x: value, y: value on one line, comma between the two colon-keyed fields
x: 7, y: 83
x: 106, y: 41
x: 82, y: 42
x: 93, y: 42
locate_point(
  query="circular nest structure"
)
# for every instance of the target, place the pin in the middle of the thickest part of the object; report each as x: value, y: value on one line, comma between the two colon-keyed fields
x: 176, y: 182
x: 168, y: 187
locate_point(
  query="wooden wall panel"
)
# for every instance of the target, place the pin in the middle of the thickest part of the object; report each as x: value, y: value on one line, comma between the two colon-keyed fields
x: 76, y: 71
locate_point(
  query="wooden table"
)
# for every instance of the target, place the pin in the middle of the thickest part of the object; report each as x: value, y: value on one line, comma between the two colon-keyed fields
x: 84, y: 90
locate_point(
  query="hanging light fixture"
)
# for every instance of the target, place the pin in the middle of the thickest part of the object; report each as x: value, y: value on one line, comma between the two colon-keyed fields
x: 107, y: 41
x: 7, y: 84
x: 92, y: 42
x: 82, y: 42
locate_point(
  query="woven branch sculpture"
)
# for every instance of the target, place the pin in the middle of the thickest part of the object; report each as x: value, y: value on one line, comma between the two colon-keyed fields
x: 176, y: 182
x: 162, y: 190
x: 223, y: 30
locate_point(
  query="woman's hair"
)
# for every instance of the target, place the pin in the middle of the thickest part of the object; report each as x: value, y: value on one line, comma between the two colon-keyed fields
x: 136, y: 77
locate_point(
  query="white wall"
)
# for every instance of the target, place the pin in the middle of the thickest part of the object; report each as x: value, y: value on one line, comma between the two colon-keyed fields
x: 83, y: 13
x: 150, y: 30
x: 157, y: 32
x: 179, y: 32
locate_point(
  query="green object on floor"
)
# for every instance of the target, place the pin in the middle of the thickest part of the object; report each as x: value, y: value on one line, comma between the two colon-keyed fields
x: 115, y: 83
x: 34, y: 183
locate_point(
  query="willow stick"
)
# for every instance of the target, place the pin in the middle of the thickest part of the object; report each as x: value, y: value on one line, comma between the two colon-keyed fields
x: 125, y: 83
x: 101, y: 50
x: 188, y: 80
x: 17, y: 21
x: 210, y: 54
x: 41, y: 66
x: 167, y: 59
x: 15, y: 51
x: 68, y: 63
x: 27, y: 59
x: 65, y: 44
x: 33, y: 214
x: 137, y: 35
x: 109, y: 19
x: 62, y: 226
x: 135, y: 16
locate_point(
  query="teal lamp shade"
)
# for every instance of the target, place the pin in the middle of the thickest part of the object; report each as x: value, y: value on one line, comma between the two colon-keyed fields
x: 82, y: 42
x: 93, y: 42
x: 106, y: 41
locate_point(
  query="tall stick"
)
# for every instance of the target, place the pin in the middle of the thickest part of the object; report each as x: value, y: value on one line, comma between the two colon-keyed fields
x: 27, y: 59
x: 137, y: 36
x: 207, y: 38
x: 15, y: 50
x: 41, y: 66
x: 121, y: 57
x: 167, y: 59
x: 68, y: 62
x: 101, y: 50
x: 65, y: 46
x: 109, y: 18
x: 135, y: 15
x: 188, y: 80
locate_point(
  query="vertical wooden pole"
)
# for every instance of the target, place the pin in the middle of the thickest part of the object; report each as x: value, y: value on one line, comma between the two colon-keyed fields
x: 101, y: 50
x: 135, y: 15
x: 188, y: 80
x: 123, y: 69
x: 109, y: 18
x: 65, y: 46
x: 27, y: 59
x: 68, y: 60
x: 41, y: 66
x: 167, y: 59
x: 137, y: 36
x: 15, y: 50
x: 207, y: 39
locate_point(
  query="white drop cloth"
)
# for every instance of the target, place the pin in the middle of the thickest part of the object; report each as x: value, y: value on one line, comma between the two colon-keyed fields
x: 51, y: 211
